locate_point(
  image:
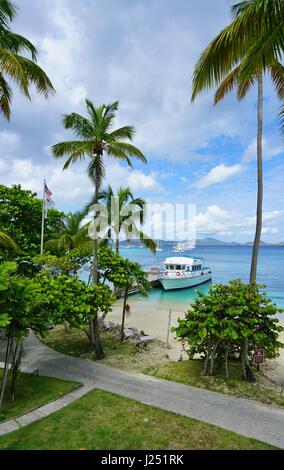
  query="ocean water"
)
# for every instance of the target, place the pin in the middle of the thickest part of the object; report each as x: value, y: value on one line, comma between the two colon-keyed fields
x: 226, y: 262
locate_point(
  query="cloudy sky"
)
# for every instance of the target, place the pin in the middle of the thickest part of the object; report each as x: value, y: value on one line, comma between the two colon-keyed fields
x: 142, y: 53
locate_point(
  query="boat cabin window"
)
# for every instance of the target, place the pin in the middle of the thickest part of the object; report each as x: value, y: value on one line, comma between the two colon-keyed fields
x: 171, y: 266
x: 196, y: 268
x: 178, y: 267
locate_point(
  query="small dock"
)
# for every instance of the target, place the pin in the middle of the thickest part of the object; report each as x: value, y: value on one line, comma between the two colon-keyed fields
x: 153, y: 278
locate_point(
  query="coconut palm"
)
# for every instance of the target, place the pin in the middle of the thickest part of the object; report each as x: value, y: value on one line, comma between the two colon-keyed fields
x: 96, y: 139
x: 124, y: 213
x: 72, y: 233
x: 229, y: 61
x: 244, y: 81
x: 15, y: 66
x: 239, y: 57
x: 256, y: 33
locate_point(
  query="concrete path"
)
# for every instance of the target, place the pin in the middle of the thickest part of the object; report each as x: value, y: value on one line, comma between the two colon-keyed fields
x: 246, y: 417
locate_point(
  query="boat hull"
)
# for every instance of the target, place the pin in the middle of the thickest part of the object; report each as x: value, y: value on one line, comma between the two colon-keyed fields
x: 184, y: 283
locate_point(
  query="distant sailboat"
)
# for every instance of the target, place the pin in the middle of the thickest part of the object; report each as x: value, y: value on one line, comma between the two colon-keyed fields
x: 178, y: 248
x: 158, y: 246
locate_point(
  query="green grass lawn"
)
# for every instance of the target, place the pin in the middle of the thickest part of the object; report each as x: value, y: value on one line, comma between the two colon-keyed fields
x: 33, y: 392
x: 190, y: 373
x: 102, y: 420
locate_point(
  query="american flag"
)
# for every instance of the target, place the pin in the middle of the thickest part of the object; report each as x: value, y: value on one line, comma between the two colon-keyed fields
x: 47, y: 192
x: 49, y: 203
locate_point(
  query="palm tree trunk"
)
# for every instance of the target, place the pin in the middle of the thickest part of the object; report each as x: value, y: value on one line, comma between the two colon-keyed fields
x: 95, y: 247
x: 95, y: 322
x: 258, y: 229
x: 117, y: 245
x: 255, y: 251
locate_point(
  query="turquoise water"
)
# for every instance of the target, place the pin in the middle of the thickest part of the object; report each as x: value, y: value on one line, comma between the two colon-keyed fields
x: 226, y: 262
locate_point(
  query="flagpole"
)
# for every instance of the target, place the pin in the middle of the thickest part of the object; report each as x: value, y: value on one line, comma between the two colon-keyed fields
x: 42, y: 220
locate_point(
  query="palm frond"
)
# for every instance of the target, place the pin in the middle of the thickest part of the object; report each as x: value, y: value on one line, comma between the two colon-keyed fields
x: 35, y: 76
x: 17, y: 43
x: 5, y: 97
x: 125, y: 150
x: 227, y: 85
x: 245, y: 85
x: 260, y: 20
x: 139, y: 235
x: 277, y: 76
x: 281, y: 119
x: 126, y: 132
x: 10, y: 64
x: 75, y: 149
x: 7, y: 12
x: 81, y: 126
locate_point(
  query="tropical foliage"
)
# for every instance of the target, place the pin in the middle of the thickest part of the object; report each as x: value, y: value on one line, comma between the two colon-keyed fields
x: 20, y: 218
x: 20, y: 301
x: 216, y: 325
x: 70, y: 264
x: 68, y: 299
x: 14, y: 63
x: 72, y: 234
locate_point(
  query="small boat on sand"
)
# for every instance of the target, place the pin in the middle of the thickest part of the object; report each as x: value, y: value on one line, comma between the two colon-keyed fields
x: 182, y: 272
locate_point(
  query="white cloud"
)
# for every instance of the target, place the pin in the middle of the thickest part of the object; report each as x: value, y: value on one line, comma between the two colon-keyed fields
x: 270, y: 149
x: 218, y: 221
x: 219, y: 174
x: 71, y: 187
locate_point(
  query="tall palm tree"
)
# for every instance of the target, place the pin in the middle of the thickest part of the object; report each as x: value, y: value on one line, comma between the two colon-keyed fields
x: 96, y: 139
x: 240, y: 56
x: 243, y: 80
x: 124, y: 213
x: 15, y: 66
x: 229, y: 61
x: 72, y: 233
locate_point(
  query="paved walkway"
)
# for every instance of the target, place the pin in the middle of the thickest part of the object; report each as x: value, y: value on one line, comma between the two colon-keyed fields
x: 246, y: 417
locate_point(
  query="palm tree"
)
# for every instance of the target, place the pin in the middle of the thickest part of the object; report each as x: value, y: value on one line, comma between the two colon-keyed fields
x: 7, y: 243
x: 72, y: 233
x: 244, y: 81
x: 95, y: 140
x: 229, y: 61
x: 17, y: 67
x: 124, y: 212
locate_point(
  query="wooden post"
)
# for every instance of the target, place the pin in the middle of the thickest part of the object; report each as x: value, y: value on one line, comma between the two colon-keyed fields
x: 169, y: 328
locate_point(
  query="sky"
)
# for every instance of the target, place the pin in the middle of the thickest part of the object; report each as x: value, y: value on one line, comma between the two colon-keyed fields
x: 142, y: 53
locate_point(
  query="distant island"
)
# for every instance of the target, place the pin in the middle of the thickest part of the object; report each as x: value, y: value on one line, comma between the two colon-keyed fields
x: 203, y: 242
x: 214, y: 242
